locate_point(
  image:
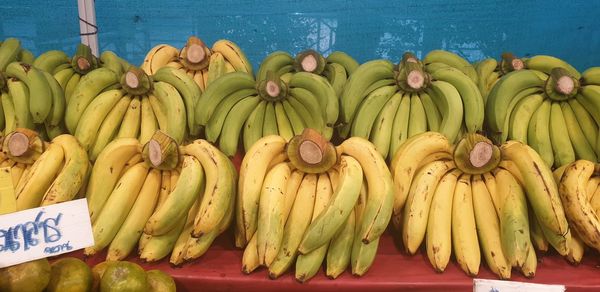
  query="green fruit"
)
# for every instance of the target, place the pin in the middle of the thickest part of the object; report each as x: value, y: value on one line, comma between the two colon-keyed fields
x: 70, y: 274
x: 160, y: 281
x: 97, y: 272
x: 26, y: 277
x: 124, y: 277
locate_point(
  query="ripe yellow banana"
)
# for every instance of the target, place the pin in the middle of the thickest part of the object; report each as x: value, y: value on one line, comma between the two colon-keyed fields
x: 464, y: 231
x: 33, y: 185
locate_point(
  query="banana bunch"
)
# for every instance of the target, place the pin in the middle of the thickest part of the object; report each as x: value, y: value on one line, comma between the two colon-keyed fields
x: 44, y: 173
x: 489, y: 71
x: 198, y: 61
x: 11, y: 51
x: 477, y: 199
x: 306, y: 201
x: 578, y: 186
x: 236, y: 105
x: 336, y: 68
x: 105, y: 106
x: 388, y: 104
x: 164, y: 198
x: 549, y: 106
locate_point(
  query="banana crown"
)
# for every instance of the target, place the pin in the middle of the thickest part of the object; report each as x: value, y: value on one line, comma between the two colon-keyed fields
x: 23, y: 145
x: 561, y: 85
x: 136, y: 82
x: 311, y: 153
x: 310, y: 61
x: 272, y: 88
x: 161, y: 151
x: 476, y: 154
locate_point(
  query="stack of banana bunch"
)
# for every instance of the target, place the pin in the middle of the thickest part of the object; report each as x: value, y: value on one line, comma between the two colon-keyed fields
x: 163, y: 198
x: 236, y: 105
x: 11, y: 51
x: 307, y: 201
x: 549, y: 106
x: 106, y: 105
x: 44, y: 173
x: 580, y: 195
x: 475, y: 196
x: 198, y: 61
x: 388, y: 104
x: 31, y: 98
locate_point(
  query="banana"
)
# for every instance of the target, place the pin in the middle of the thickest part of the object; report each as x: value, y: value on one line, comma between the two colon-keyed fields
x: 513, y: 103
x: 271, y: 221
x: 32, y: 186
x: 109, y: 127
x: 118, y: 205
x: 521, y: 117
x: 545, y: 64
x: 106, y: 171
x: 114, y: 63
x: 182, y: 197
x: 439, y: 223
x: 158, y: 247
x: 87, y: 89
x: 450, y: 106
x: 296, y: 121
x: 591, y: 76
x: 464, y: 231
x: 561, y: 144
x: 433, y: 115
x: 470, y: 95
x: 270, y: 121
x: 57, y: 111
x: 10, y: 118
x: 199, y: 80
x: 284, y: 127
x: 514, y: 224
x: 343, y: 59
x: 337, y: 76
x: 131, y: 230
x: 148, y: 123
x: 488, y: 229
x: 188, y: 90
x: 340, y: 248
x: 69, y: 180
x: 453, y: 60
x: 158, y: 57
x: 529, y: 267
x: 382, y: 127
x: 363, y: 77
x: 232, y: 126
x: 538, y: 133
x: 504, y: 91
x: 252, y: 172
x: 218, y: 90
x: 16, y: 172
x: 308, y: 264
x: 418, y: 203
x: 233, y: 54
x: 417, y: 116
x: 220, y: 185
x: 578, y: 209
x: 303, y: 113
x: 170, y: 98
x: 215, y: 124
x: 19, y: 94
x: 39, y: 89
x: 70, y: 87
x: 253, y: 127
x: 273, y: 62
x: 380, y: 201
x: 9, y: 51
x: 26, y: 56
x: 541, y: 191
x: 331, y: 218
x: 400, y: 124
x: 538, y: 240
x: 95, y: 113
x: 311, y: 103
x: 181, y: 245
x: 408, y: 157
x: 297, y: 222
x: 484, y: 69
x: 369, y: 109
x: 250, y: 257
x: 583, y: 149
x: 216, y: 67
x: 320, y: 87
x: 585, y: 121
x: 49, y: 60
x: 130, y: 126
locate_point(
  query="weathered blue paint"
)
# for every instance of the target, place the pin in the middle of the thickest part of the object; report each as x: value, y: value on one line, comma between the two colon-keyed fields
x: 365, y: 29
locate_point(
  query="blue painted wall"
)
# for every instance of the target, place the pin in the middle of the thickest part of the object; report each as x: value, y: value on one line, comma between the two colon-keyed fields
x: 365, y: 29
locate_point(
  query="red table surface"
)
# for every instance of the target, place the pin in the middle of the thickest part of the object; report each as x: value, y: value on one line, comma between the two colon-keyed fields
x: 220, y: 270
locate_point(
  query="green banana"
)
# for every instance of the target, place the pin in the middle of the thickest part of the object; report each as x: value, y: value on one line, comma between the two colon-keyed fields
x: 40, y: 93
x: 233, y: 125
x: 521, y: 117
x: 538, y: 133
x: 218, y: 90
x: 561, y: 144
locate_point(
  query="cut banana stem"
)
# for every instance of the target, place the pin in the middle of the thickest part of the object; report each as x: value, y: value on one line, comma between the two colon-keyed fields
x: 311, y: 153
x: 161, y: 151
x: 136, y: 82
x: 20, y: 141
x: 310, y: 61
x: 475, y: 154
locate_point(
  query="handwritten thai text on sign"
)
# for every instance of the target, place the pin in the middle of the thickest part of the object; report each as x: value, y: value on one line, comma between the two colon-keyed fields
x: 45, y: 231
x: 482, y: 285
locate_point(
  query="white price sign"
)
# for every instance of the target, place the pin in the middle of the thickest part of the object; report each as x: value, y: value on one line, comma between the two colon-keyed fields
x: 481, y: 285
x: 46, y: 231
